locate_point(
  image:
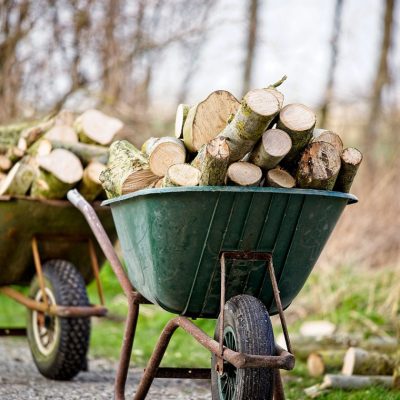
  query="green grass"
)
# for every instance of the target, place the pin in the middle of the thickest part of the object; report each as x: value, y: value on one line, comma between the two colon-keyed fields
x: 351, y: 298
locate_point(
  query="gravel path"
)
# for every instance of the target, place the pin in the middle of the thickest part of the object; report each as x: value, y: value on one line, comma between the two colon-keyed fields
x: 19, y: 380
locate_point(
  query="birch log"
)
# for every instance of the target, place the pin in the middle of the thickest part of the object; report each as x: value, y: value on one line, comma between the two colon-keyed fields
x: 181, y: 175
x: 242, y: 173
x: 212, y: 161
x: 181, y: 114
x: 350, y: 161
x: 208, y: 118
x: 280, y: 178
x: 90, y: 187
x: 256, y: 111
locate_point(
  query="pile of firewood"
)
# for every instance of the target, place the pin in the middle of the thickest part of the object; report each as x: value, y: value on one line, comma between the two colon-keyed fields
x: 221, y: 141
x: 47, y: 158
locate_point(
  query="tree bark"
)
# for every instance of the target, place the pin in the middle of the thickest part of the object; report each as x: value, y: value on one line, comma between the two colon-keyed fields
x: 350, y: 161
x: 257, y: 110
x: 90, y: 187
x: 181, y: 114
x: 280, y: 178
x: 182, y: 175
x: 244, y: 174
x: 323, y: 361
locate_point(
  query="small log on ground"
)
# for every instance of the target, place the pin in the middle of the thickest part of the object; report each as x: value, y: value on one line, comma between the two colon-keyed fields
x: 94, y: 127
x: 350, y: 161
x: 323, y: 135
x: 280, y: 178
x: 63, y: 133
x: 358, y: 361
x: 242, y: 173
x: 164, y: 152
x: 323, y: 361
x: 181, y: 114
x: 59, y: 171
x: 42, y: 147
x: 5, y: 163
x: 181, y: 175
x: 318, y: 167
x: 355, y: 382
x: 270, y: 150
x: 257, y: 110
x: 208, y: 118
x: 90, y: 187
x: 20, y: 178
x: 212, y: 161
x: 298, y: 121
x: 87, y: 153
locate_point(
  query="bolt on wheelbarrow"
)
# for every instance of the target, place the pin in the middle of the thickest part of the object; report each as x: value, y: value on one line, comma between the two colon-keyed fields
x: 47, y: 245
x: 232, y: 253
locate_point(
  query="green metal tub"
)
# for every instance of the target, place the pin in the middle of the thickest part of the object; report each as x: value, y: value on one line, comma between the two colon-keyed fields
x: 172, y: 238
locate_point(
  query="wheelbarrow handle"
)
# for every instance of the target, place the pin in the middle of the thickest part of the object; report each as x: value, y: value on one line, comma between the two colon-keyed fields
x: 102, y: 238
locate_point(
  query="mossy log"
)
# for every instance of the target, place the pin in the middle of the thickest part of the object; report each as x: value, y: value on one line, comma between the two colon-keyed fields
x: 358, y: 361
x: 181, y: 175
x: 323, y: 361
x: 270, y: 150
x: 181, y: 114
x: 257, y: 110
x: 318, y: 167
x: 59, y: 171
x: 242, y: 173
x: 208, y: 118
x: 280, y: 178
x: 298, y: 121
x: 94, y: 127
x: 164, y: 152
x: 212, y: 161
x: 323, y: 135
x: 350, y: 162
x: 90, y: 187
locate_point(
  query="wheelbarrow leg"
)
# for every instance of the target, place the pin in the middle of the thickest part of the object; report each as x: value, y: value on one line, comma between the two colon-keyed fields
x: 279, y: 393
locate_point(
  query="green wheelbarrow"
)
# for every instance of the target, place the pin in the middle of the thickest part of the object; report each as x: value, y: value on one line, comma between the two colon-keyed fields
x: 234, y: 254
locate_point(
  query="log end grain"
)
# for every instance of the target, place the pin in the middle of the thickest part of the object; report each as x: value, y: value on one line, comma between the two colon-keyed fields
x: 242, y: 173
x: 280, y: 178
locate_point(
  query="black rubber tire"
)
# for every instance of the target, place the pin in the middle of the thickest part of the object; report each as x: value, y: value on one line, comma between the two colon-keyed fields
x: 247, y: 318
x: 68, y: 356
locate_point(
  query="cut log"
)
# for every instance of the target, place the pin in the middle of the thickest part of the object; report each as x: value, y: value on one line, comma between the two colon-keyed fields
x: 42, y: 147
x: 10, y: 134
x: 272, y: 147
x: 2, y: 177
x: 20, y: 178
x: 279, y: 96
x: 14, y: 154
x: 163, y: 153
x: 181, y: 175
x: 323, y: 361
x: 87, y: 153
x: 35, y: 132
x: 317, y: 328
x: 90, y: 186
x: 298, y: 121
x: 181, y: 114
x: 323, y: 135
x: 59, y: 171
x: 212, y: 161
x: 5, y: 163
x: 244, y: 174
x: 63, y: 133
x: 138, y: 180
x: 208, y: 118
x: 355, y: 382
x: 350, y: 161
x: 358, y: 361
x: 280, y: 178
x: 94, y: 127
x: 257, y: 110
x: 65, y: 118
x: 318, y: 167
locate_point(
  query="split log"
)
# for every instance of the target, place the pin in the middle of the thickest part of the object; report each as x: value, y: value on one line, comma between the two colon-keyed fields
x: 59, y: 171
x: 298, y: 121
x: 208, y: 118
x: 87, y: 153
x: 90, y: 186
x: 20, y: 178
x: 94, y: 127
x: 323, y: 135
x: 42, y: 147
x: 280, y: 178
x: 350, y: 161
x: 358, y: 361
x: 163, y: 153
x: 63, y: 133
x: 181, y: 175
x: 212, y: 162
x: 181, y: 114
x: 318, y: 167
x: 242, y: 173
x: 5, y: 163
x: 257, y: 110
x: 269, y: 151
x: 323, y: 361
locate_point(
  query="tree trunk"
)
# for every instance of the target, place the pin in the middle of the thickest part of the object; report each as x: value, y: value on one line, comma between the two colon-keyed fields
x: 318, y: 167
x: 212, y: 161
x: 182, y: 175
x: 90, y: 186
x: 181, y: 114
x: 323, y: 361
x: 280, y: 178
x: 257, y: 110
x: 244, y: 174
x: 350, y: 161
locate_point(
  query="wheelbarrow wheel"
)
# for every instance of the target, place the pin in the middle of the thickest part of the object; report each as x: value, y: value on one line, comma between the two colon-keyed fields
x: 247, y: 329
x: 59, y: 345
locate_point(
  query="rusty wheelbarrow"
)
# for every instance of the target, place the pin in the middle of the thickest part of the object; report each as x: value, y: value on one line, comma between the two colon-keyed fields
x: 233, y: 253
x: 47, y: 245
